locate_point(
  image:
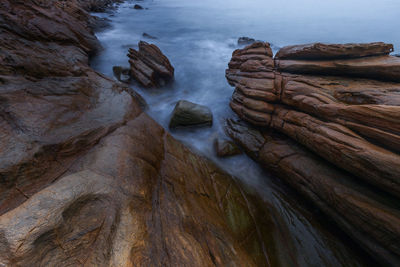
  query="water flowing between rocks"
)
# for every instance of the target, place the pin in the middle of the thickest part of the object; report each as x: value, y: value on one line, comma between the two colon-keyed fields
x: 199, y: 37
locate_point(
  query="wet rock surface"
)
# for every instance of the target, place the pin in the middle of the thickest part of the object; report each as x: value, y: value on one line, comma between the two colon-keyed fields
x: 149, y: 66
x: 327, y: 131
x: 121, y: 73
x: 190, y: 114
x: 226, y: 148
x: 86, y: 178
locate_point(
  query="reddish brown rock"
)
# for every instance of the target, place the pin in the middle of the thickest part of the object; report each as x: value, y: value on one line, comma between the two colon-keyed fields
x: 87, y: 179
x: 336, y: 118
x: 385, y: 68
x: 140, y: 198
x: 370, y: 218
x: 334, y: 51
x: 149, y: 66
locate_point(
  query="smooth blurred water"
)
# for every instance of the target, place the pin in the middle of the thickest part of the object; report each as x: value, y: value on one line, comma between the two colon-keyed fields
x: 199, y: 36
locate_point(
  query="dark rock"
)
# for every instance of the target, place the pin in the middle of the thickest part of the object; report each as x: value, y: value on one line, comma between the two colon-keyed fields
x: 136, y: 6
x: 190, y: 114
x: 148, y: 36
x: 149, y: 66
x: 121, y: 73
x: 226, y: 148
x: 98, y: 5
x: 99, y: 24
x: 245, y: 41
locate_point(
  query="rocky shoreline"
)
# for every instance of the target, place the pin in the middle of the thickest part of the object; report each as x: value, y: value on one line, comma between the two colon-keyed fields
x: 327, y: 131
x: 87, y: 178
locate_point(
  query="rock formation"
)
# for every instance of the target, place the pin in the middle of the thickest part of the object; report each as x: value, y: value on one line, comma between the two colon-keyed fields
x: 190, y: 114
x: 149, y: 66
x: 88, y: 179
x: 226, y: 148
x: 329, y: 118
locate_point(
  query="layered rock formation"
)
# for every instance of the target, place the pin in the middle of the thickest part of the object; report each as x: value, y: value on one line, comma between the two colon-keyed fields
x: 344, y: 137
x: 149, y: 66
x: 86, y: 178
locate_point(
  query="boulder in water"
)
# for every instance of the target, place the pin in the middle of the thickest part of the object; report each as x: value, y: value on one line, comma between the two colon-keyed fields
x: 149, y: 66
x: 190, y: 114
x: 136, y: 6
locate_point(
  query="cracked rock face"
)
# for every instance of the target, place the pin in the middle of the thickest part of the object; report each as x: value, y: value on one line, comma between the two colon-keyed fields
x: 86, y: 178
x: 341, y: 130
x: 149, y: 66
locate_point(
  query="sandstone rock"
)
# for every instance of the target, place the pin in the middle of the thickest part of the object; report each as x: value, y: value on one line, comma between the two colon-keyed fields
x: 385, y: 68
x: 88, y: 179
x: 340, y: 124
x: 149, y: 66
x: 226, y: 148
x: 190, y: 114
x: 334, y: 51
x: 371, y: 219
x: 340, y: 106
x: 139, y: 198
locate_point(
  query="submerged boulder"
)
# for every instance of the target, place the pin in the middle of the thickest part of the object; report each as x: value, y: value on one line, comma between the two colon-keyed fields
x: 149, y: 66
x: 190, y: 114
x: 336, y: 109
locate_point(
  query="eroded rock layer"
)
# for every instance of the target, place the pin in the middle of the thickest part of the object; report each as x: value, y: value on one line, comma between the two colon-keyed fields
x: 343, y: 130
x: 149, y: 66
x: 87, y: 179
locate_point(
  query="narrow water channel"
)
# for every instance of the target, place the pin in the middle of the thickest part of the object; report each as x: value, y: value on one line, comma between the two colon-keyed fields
x: 199, y: 36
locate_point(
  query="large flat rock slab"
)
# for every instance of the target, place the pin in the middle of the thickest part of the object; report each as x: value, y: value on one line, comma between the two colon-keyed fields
x: 319, y: 51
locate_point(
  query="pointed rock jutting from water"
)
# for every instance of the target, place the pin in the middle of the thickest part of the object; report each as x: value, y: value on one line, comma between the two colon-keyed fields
x: 335, y: 115
x: 149, y: 66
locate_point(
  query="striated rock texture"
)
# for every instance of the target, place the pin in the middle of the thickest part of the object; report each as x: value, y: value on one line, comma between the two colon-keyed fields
x: 88, y: 179
x: 149, y: 66
x: 343, y: 131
